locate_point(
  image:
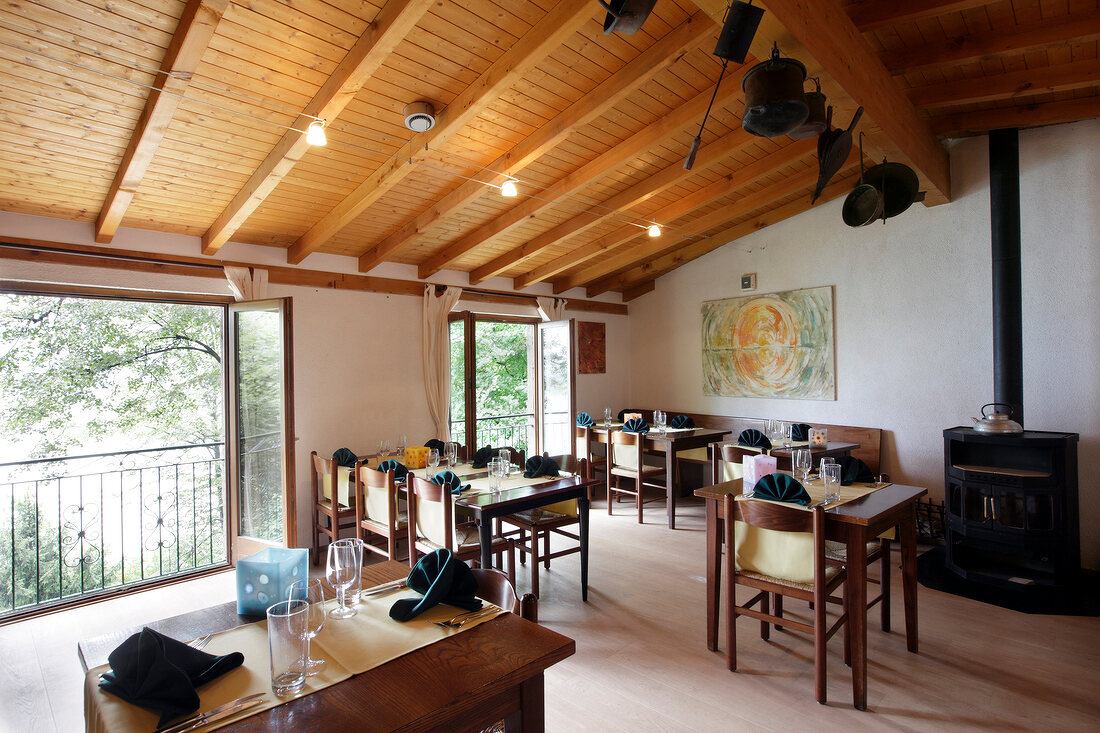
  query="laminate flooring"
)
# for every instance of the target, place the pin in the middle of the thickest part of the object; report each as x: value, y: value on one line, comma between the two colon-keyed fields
x: 642, y: 663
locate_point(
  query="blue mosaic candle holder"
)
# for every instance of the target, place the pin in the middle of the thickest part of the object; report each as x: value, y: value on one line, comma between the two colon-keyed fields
x: 263, y: 578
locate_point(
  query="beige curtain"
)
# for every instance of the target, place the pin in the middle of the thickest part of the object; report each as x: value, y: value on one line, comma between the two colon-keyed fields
x: 551, y: 309
x: 435, y: 352
x: 246, y: 283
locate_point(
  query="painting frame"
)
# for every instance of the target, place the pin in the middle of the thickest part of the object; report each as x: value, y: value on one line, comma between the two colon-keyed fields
x: 591, y: 347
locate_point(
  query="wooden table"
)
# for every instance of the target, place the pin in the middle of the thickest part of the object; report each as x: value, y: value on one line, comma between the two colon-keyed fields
x: 855, y: 523
x: 670, y: 443
x: 467, y: 681
x: 487, y: 507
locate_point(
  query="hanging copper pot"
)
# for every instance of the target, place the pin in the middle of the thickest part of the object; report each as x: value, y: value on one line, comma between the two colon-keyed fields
x: 815, y: 124
x: 775, y: 103
x: 898, y: 185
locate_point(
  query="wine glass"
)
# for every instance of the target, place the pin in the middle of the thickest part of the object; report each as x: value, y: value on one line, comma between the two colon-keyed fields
x: 505, y: 456
x: 433, y: 458
x: 607, y: 414
x: 384, y: 449
x: 400, y: 446
x: 452, y: 454
x: 312, y: 592
x: 340, y: 571
x: 661, y: 418
x: 803, y: 461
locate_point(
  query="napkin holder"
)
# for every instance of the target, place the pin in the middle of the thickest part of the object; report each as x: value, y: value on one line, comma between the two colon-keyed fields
x: 416, y: 457
x: 263, y: 578
x: 755, y: 468
x: 819, y: 437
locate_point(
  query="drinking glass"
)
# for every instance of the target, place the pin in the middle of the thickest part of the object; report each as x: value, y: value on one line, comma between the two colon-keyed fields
x: 830, y: 475
x: 312, y: 591
x: 506, y: 457
x: 341, y: 571
x: 789, y: 435
x: 452, y: 454
x: 825, y: 461
x: 356, y: 586
x: 384, y: 449
x: 400, y: 446
x: 496, y: 474
x: 433, y: 458
x: 803, y: 461
x: 661, y: 418
x: 287, y: 643
x: 607, y: 414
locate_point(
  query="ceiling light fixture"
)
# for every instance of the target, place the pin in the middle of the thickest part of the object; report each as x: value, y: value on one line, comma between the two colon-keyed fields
x: 508, y: 189
x: 654, y: 230
x: 315, y: 134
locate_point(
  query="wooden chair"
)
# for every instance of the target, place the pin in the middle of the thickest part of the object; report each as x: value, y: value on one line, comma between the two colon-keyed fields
x: 745, y: 568
x: 377, y: 511
x: 432, y: 525
x: 585, y: 446
x: 625, y: 460
x: 494, y: 586
x: 725, y: 461
x: 329, y: 516
x: 539, y: 523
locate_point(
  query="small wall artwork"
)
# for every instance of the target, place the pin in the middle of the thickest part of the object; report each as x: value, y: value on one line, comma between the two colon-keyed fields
x: 591, y: 348
x: 774, y: 345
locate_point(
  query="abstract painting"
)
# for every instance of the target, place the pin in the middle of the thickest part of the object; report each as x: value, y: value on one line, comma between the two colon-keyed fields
x: 591, y: 348
x: 774, y: 345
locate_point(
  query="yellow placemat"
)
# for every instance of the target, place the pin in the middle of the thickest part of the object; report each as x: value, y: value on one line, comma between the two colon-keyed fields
x: 348, y: 646
x: 463, y: 470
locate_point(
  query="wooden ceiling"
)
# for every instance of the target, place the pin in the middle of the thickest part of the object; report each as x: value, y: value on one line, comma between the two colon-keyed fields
x: 594, y: 127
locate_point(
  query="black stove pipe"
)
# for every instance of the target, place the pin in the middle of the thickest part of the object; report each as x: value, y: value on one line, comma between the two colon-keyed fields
x: 1004, y: 210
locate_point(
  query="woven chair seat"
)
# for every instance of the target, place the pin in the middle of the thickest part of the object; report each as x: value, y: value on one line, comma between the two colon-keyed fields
x: 831, y: 571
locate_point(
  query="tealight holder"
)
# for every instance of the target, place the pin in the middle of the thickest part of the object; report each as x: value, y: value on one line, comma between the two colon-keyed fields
x: 819, y: 437
x: 263, y: 578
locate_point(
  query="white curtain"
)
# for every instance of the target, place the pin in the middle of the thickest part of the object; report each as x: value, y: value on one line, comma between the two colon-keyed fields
x: 551, y: 309
x: 436, y: 343
x: 246, y: 283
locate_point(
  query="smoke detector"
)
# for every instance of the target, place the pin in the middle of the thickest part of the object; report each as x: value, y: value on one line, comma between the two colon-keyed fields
x: 419, y: 116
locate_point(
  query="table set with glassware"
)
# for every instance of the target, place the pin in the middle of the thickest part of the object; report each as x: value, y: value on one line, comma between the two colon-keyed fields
x: 390, y: 650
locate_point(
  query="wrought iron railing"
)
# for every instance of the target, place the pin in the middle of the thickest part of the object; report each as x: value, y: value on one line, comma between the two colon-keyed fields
x: 81, y: 525
x: 517, y: 431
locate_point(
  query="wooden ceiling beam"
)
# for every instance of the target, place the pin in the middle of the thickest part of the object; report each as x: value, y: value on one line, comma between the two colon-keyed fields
x: 619, y: 154
x: 389, y: 28
x: 637, y: 194
x: 634, y: 280
x: 607, y: 244
x: 196, y: 27
x: 639, y: 290
x: 658, y: 57
x: 563, y: 20
x: 1025, y: 115
x: 833, y: 41
x: 872, y: 15
x: 975, y: 47
x: 1060, y: 78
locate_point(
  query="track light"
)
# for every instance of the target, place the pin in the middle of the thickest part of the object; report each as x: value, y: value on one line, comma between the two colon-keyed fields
x: 315, y: 135
x: 654, y: 230
x: 508, y: 189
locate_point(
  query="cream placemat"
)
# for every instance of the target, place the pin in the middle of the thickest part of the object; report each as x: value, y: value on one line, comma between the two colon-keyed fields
x: 816, y: 490
x: 348, y: 646
x: 515, y: 481
x: 463, y: 471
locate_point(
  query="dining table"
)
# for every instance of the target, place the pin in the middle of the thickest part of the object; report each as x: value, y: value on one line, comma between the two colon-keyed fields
x: 855, y: 523
x: 669, y: 442
x: 465, y: 681
x: 487, y: 506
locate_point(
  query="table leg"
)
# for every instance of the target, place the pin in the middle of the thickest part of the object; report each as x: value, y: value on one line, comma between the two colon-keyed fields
x: 485, y: 536
x: 857, y: 612
x: 582, y: 515
x: 532, y: 712
x: 713, y: 549
x: 907, y: 534
x: 672, y: 483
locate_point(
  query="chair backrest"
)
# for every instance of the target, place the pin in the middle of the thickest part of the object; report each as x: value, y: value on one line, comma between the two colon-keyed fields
x: 625, y: 449
x: 493, y: 586
x: 322, y: 472
x: 582, y: 443
x: 431, y: 512
x: 571, y: 464
x: 376, y: 493
x: 725, y: 461
x: 784, y: 541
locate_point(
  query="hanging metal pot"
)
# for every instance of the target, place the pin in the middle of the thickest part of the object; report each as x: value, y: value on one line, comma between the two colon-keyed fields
x: 625, y: 16
x: 898, y: 185
x: 775, y: 102
x: 816, y: 123
x: 864, y: 204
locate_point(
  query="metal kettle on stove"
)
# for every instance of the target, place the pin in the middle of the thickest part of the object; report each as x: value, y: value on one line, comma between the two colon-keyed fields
x: 999, y: 423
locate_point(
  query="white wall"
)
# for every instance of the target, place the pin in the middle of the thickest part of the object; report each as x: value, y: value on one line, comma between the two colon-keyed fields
x: 357, y: 365
x: 913, y: 313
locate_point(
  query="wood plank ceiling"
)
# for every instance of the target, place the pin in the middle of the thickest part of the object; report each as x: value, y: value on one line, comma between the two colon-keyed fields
x: 187, y: 116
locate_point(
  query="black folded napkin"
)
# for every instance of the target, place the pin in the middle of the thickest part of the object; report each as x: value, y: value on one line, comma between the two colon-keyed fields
x: 754, y: 439
x: 345, y: 457
x: 636, y: 425
x: 681, y: 421
x: 584, y: 420
x: 448, y: 478
x: 439, y: 445
x: 158, y: 672
x: 853, y: 470
x: 800, y: 431
x: 482, y: 456
x: 541, y: 466
x: 781, y: 487
x: 398, y: 468
x: 439, y: 578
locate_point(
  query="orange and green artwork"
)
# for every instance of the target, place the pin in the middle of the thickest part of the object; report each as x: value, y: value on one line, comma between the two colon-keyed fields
x: 775, y: 345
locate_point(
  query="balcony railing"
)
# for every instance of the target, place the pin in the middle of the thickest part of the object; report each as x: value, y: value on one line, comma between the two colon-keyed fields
x: 517, y: 431
x: 82, y: 525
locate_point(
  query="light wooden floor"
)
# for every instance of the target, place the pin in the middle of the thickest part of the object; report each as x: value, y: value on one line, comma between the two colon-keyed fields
x: 642, y: 663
